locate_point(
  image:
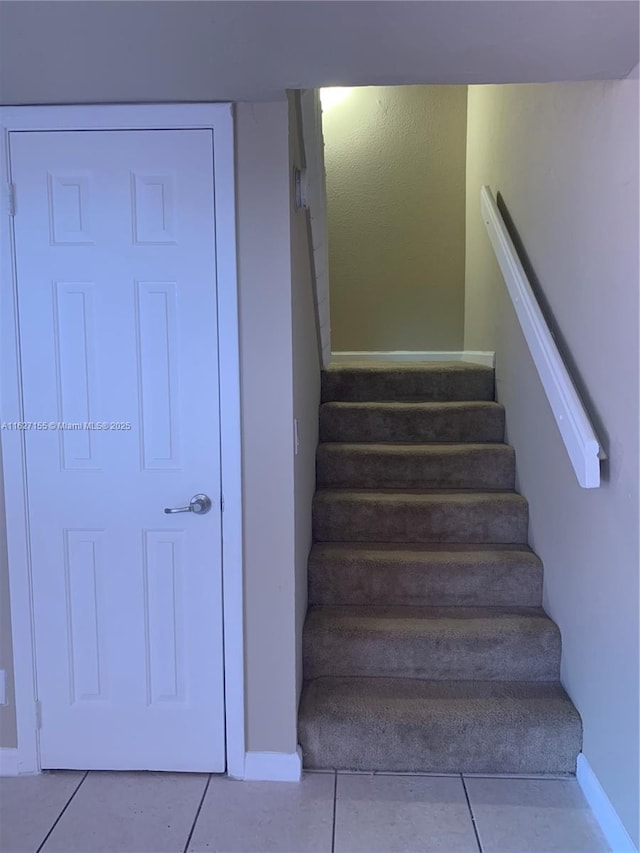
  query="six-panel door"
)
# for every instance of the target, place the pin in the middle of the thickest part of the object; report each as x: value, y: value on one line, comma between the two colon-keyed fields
x: 115, y: 256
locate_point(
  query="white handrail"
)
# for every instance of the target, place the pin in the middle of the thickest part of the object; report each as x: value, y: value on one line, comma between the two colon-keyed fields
x: 578, y: 435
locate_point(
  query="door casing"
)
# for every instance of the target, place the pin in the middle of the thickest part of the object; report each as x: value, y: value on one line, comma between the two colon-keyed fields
x: 220, y: 120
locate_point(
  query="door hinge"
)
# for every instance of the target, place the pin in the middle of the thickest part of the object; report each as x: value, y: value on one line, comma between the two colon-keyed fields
x: 38, y: 704
x: 11, y: 199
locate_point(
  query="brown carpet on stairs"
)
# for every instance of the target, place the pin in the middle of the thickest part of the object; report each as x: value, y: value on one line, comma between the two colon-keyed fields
x: 426, y: 648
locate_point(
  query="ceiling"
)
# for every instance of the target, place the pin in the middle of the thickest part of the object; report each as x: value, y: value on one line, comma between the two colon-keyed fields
x: 142, y: 50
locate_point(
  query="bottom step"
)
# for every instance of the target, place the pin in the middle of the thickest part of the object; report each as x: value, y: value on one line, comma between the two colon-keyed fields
x: 407, y: 725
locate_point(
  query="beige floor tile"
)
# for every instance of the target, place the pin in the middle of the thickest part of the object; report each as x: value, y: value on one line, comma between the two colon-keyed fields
x: 30, y: 805
x: 266, y: 817
x: 533, y: 816
x: 402, y: 814
x: 129, y: 813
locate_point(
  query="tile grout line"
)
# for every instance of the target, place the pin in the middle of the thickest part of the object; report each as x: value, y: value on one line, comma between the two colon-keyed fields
x: 335, y: 808
x: 473, y: 820
x: 197, y: 814
x: 66, y: 806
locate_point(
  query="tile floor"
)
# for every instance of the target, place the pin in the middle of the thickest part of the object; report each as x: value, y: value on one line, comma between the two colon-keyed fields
x: 69, y: 812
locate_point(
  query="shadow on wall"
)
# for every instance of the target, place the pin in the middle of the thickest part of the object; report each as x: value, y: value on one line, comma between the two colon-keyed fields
x: 556, y: 333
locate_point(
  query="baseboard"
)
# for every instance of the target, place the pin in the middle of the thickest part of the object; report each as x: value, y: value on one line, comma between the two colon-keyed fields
x: 471, y: 356
x: 273, y: 766
x: 610, y: 824
x: 479, y: 357
x: 8, y: 762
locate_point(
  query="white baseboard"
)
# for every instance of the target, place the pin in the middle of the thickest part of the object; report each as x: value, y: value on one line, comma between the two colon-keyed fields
x: 471, y: 356
x: 610, y: 824
x: 8, y: 762
x: 479, y: 357
x: 273, y: 766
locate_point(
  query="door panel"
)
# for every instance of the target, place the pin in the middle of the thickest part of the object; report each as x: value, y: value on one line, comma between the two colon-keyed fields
x: 115, y: 254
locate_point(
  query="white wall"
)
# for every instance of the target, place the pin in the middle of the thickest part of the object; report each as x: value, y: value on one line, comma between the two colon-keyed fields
x: 306, y: 380
x: 564, y: 158
x: 264, y: 271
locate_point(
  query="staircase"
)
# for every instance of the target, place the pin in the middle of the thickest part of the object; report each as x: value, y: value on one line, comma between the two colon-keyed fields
x: 426, y: 648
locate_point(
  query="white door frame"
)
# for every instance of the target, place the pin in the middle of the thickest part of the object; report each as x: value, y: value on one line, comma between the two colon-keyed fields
x: 220, y: 120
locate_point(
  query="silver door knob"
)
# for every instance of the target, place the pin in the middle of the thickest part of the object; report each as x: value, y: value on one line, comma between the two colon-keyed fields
x: 198, y: 504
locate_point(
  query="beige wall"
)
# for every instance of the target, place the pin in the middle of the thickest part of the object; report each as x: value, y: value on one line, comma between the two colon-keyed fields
x: 264, y: 271
x: 395, y: 160
x: 306, y: 380
x: 8, y: 731
x: 565, y: 159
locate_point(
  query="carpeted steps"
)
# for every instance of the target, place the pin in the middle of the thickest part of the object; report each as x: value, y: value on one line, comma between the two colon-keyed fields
x: 418, y: 422
x: 417, y: 382
x: 407, y: 516
x: 425, y: 646
x: 416, y: 466
x: 414, y: 726
x: 490, y: 644
x: 430, y: 575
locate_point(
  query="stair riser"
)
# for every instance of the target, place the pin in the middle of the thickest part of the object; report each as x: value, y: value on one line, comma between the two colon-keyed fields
x: 407, y: 385
x: 332, y: 582
x: 524, y: 653
x: 446, y: 469
x: 439, y: 746
x: 341, y: 422
x: 444, y: 519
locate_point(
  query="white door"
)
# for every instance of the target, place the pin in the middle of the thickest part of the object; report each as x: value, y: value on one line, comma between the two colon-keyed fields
x: 115, y: 257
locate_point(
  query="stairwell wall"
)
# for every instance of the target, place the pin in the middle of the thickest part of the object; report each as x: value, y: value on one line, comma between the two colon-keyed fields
x: 564, y: 158
x: 395, y: 163
x: 306, y: 378
x: 266, y: 364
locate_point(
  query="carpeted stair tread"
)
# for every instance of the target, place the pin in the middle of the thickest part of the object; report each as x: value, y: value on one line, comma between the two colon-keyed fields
x: 425, y: 516
x: 424, y: 574
x: 472, y: 421
x: 409, y: 725
x: 406, y: 466
x: 404, y: 382
x: 503, y: 644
